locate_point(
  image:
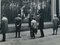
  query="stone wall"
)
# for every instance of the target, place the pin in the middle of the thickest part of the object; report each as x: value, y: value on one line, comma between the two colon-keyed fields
x: 0, y: 13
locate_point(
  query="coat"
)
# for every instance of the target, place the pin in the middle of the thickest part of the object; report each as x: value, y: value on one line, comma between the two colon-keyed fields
x: 30, y: 21
x: 17, y: 23
x: 41, y: 19
x: 4, y: 25
x: 55, y: 23
x: 34, y: 24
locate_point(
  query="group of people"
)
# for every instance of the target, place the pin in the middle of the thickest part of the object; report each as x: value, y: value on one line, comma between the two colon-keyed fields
x: 32, y: 25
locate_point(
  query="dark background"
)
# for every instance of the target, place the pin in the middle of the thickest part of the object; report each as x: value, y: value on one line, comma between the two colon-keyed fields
x: 10, y: 8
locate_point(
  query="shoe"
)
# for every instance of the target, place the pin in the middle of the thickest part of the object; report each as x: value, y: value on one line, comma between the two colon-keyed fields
x: 32, y: 37
x: 41, y: 36
x: 53, y: 34
x: 15, y: 37
x: 56, y: 34
x: 2, y: 41
x: 19, y: 37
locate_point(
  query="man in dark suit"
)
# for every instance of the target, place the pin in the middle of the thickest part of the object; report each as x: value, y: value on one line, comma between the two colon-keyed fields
x: 4, y: 27
x: 30, y: 19
x: 41, y: 21
x: 18, y: 25
x: 30, y: 24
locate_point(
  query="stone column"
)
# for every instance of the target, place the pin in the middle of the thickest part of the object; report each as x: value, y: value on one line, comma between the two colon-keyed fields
x: 0, y: 13
x: 53, y: 8
x: 59, y: 7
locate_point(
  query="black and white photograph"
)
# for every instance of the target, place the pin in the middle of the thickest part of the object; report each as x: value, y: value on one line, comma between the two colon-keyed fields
x: 29, y: 22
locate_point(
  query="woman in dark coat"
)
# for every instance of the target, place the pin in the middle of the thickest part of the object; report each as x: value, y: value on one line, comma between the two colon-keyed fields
x: 4, y: 27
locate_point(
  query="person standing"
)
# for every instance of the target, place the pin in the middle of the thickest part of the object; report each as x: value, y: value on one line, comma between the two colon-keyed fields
x: 41, y: 21
x: 33, y: 28
x: 4, y: 27
x: 55, y: 24
x: 30, y: 18
x: 18, y: 25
